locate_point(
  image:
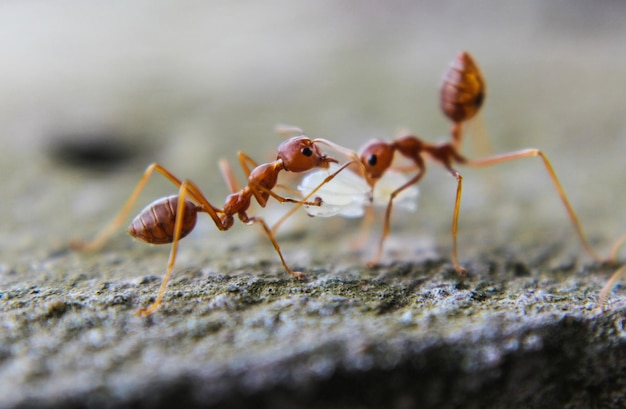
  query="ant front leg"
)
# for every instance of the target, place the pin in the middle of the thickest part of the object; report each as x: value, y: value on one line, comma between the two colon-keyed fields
x: 282, y: 199
x: 229, y: 176
x: 525, y: 153
x: 180, y: 210
x: 109, y: 229
x: 246, y: 163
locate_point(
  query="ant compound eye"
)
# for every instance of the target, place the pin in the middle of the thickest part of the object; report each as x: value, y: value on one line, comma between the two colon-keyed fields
x: 372, y: 160
x: 306, y: 151
x: 376, y: 157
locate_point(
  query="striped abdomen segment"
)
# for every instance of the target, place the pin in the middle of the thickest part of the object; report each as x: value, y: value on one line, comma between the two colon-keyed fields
x: 155, y: 223
x: 463, y: 89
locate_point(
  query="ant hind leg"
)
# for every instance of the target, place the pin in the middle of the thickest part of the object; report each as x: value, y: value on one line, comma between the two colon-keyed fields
x: 110, y: 228
x: 603, y: 295
x: 617, y: 275
x: 525, y: 153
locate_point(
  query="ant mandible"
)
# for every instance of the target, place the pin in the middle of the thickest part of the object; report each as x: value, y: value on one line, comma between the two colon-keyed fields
x: 462, y: 94
x: 169, y: 219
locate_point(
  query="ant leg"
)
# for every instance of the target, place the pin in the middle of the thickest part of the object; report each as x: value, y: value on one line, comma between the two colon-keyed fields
x: 603, y: 295
x: 387, y: 225
x: 446, y: 154
x: 229, y: 176
x: 455, y: 221
x: 304, y: 201
x: 570, y: 210
x: 227, y: 172
x: 108, y: 230
x: 180, y: 210
x: 246, y: 163
x: 186, y: 188
x: 282, y: 199
x: 288, y: 189
x: 619, y: 274
x: 268, y: 231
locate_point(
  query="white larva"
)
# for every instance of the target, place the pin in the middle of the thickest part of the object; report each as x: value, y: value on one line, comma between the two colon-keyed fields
x: 348, y: 193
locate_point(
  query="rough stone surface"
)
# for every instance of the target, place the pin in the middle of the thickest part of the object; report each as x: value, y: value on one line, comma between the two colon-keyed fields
x: 522, y: 329
x: 402, y: 335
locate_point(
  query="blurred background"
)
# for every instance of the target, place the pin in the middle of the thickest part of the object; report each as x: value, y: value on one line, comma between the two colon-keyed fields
x: 90, y: 93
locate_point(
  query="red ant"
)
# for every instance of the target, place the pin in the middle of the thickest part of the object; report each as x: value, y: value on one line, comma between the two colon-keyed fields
x: 169, y: 219
x: 462, y: 94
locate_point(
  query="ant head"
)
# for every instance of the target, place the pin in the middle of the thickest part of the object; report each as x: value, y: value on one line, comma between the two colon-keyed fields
x: 376, y: 157
x: 300, y: 154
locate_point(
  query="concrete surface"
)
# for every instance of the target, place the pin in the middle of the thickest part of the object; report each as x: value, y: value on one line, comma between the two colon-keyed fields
x: 93, y: 93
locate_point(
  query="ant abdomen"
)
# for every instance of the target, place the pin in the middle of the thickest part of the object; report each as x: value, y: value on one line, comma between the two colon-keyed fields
x: 463, y: 89
x: 155, y: 223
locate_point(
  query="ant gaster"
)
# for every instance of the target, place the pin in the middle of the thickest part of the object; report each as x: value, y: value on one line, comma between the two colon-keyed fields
x: 169, y: 219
